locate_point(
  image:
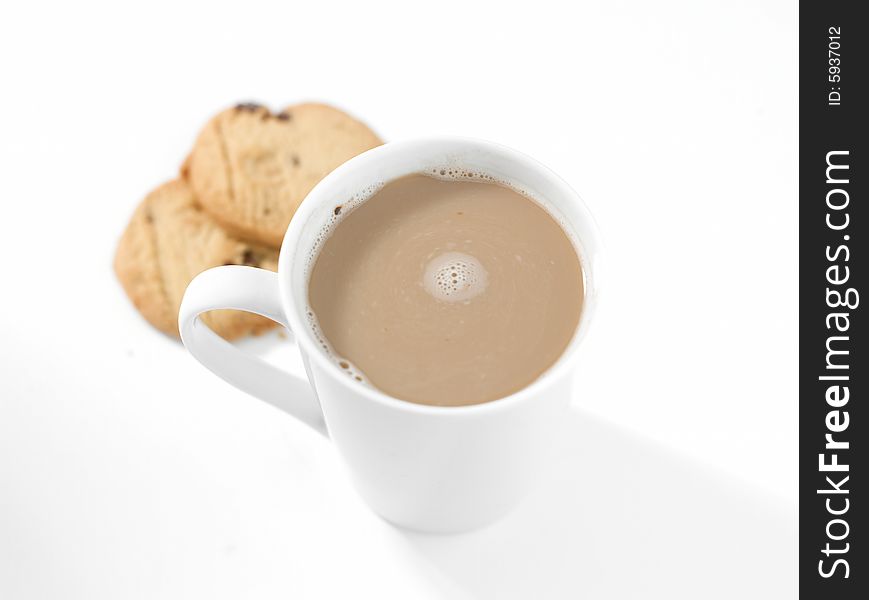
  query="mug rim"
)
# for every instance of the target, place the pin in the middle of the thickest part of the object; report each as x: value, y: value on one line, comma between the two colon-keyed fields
x: 589, y: 255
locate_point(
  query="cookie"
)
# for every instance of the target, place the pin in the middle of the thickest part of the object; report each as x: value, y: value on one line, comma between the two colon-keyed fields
x: 170, y: 240
x: 251, y: 168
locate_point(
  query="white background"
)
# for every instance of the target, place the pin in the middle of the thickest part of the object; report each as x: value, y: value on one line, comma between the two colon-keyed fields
x: 128, y: 471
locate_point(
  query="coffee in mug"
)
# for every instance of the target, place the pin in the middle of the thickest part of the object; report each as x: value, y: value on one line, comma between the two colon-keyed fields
x: 445, y: 289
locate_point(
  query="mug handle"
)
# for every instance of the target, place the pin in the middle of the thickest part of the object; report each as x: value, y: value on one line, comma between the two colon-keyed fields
x: 252, y: 290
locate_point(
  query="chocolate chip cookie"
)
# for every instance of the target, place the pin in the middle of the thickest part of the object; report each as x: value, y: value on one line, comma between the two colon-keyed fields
x: 251, y: 168
x: 170, y: 240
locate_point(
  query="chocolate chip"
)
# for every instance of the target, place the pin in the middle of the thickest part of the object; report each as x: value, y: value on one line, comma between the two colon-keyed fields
x: 266, y: 114
x: 337, y: 210
x: 248, y: 258
x: 266, y: 211
x: 149, y: 217
x: 296, y: 161
x: 248, y: 106
x: 283, y: 116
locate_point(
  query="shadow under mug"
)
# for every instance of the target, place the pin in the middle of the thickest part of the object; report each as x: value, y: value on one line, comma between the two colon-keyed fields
x: 427, y: 468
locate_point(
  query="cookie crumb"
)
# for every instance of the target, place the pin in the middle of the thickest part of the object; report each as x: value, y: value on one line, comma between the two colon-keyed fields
x: 337, y: 210
x: 296, y: 161
x: 248, y: 106
x: 283, y: 116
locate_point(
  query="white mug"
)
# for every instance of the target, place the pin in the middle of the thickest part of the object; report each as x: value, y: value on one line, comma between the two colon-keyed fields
x: 427, y: 468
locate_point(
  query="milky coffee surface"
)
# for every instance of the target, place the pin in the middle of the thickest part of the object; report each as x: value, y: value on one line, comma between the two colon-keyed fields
x: 447, y: 292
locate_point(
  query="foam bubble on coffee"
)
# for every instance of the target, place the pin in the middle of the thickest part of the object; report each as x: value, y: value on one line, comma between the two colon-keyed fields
x: 455, y: 277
